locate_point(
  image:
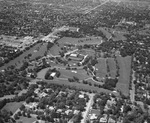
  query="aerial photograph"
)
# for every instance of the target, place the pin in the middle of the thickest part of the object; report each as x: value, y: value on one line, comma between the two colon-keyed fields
x: 74, y: 61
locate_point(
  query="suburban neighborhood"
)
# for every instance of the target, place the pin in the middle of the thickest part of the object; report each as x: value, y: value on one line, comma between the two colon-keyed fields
x: 74, y: 61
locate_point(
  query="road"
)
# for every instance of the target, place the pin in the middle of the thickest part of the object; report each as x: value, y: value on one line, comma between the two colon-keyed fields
x: 132, y: 92
x: 97, y: 7
x: 89, y: 105
x: 53, y: 34
x: 100, y: 83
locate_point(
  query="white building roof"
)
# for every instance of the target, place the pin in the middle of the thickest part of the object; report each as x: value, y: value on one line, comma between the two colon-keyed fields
x: 73, y: 55
x: 81, y: 96
x: 93, y: 116
x: 53, y: 74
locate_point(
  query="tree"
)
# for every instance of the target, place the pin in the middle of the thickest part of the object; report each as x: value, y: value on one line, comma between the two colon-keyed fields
x: 61, y: 105
x: 28, y: 115
x: 78, y: 118
x: 20, y: 122
x: 127, y: 108
x: 24, y: 113
x: 85, y: 82
x: 29, y: 99
x: 16, y: 116
x: 19, y: 113
x: 76, y: 79
x: 2, y: 103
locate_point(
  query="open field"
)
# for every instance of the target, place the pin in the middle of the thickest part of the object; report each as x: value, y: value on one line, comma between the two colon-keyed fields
x: 18, y: 61
x: 89, y: 52
x: 26, y: 120
x: 42, y: 73
x: 79, y: 86
x: 80, y: 41
x: 12, y: 106
x: 105, y: 32
x: 124, y: 78
x: 81, y: 74
x: 73, y: 84
x: 101, y: 68
x: 112, y: 67
x: 95, y: 82
x: 55, y: 50
x: 118, y: 35
x: 39, y: 51
x: 144, y: 32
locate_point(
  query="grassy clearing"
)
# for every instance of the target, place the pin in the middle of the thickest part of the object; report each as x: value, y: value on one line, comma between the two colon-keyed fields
x: 119, y: 34
x: 89, y: 52
x: 94, y: 40
x: 101, y: 68
x: 94, y: 111
x: 26, y: 120
x: 112, y: 67
x: 42, y: 49
x: 18, y: 61
x: 42, y: 73
x: 105, y: 32
x: 55, y: 50
x: 12, y: 106
x: 79, y: 86
x: 81, y: 74
x: 93, y: 82
x: 124, y: 78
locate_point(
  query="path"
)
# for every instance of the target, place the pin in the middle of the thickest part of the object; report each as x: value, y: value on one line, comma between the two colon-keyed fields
x: 70, y: 52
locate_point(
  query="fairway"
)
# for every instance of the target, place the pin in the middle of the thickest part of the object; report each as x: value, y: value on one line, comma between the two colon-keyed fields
x: 12, y: 106
x: 18, y: 60
x: 81, y: 74
x: 39, y: 51
x: 80, y: 41
x: 80, y: 86
x: 26, y: 120
x: 101, y: 68
x: 105, y: 32
x: 54, y: 50
x: 124, y: 71
x: 112, y: 67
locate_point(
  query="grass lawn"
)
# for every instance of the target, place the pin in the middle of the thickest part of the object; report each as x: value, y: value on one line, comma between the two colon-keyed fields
x: 93, y: 82
x: 89, y: 52
x: 18, y: 61
x: 101, y: 68
x: 80, y: 86
x: 92, y: 40
x: 26, y: 120
x: 105, y: 32
x: 81, y: 74
x: 112, y: 67
x: 42, y: 73
x: 124, y: 78
x: 13, y: 106
x: 40, y: 52
x: 54, y: 50
x: 119, y: 34
x: 94, y: 111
